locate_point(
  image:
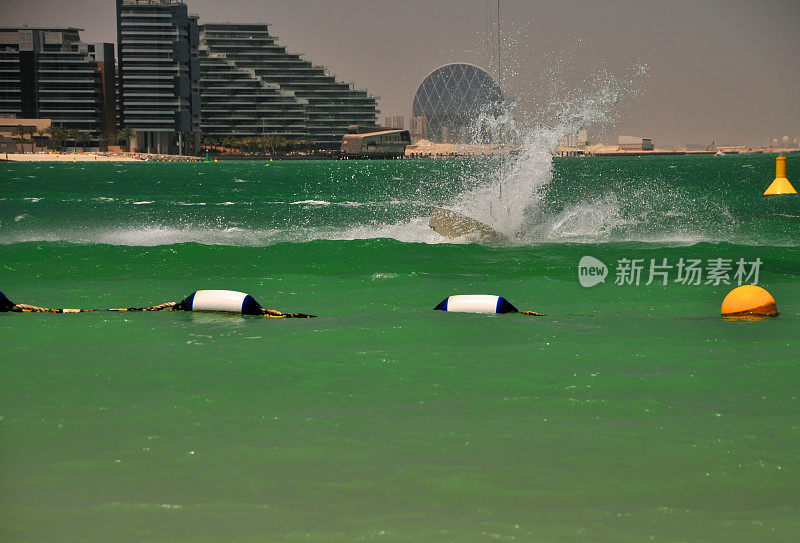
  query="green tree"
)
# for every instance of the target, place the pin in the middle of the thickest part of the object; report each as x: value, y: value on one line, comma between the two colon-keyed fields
x: 30, y: 131
x: 20, y: 132
x: 279, y: 143
x: 72, y: 135
x: 42, y: 133
x: 211, y: 142
x: 83, y: 139
x: 126, y: 135
x: 58, y: 136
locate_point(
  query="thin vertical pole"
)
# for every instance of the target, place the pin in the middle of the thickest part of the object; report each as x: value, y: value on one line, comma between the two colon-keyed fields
x: 499, y: 80
x: 499, y: 64
x: 486, y: 35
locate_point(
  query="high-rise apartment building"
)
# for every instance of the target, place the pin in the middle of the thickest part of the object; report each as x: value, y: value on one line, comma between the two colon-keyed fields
x: 49, y: 73
x: 159, y: 74
x: 252, y: 86
x: 236, y: 102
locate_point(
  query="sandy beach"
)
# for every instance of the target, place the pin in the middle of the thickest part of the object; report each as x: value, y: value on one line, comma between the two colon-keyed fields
x: 68, y: 157
x: 95, y: 157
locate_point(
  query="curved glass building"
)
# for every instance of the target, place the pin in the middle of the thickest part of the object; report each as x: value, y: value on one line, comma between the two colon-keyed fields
x: 452, y: 97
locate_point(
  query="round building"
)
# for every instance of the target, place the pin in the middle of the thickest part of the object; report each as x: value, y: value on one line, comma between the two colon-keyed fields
x: 453, y: 97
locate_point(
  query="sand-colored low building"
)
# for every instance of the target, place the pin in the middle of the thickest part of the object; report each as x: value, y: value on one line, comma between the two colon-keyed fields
x: 8, y: 138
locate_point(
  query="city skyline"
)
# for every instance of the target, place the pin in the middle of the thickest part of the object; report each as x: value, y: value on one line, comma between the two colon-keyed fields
x: 718, y: 71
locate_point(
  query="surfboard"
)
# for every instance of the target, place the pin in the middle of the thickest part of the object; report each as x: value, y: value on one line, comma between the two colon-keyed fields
x: 451, y: 224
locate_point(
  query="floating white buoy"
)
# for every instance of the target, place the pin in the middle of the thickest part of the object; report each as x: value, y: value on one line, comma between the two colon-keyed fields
x: 217, y: 301
x: 225, y: 301
x: 476, y: 303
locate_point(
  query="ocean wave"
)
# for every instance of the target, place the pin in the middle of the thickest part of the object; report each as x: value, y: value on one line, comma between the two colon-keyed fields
x: 414, y: 231
x: 593, y: 229
x: 310, y: 203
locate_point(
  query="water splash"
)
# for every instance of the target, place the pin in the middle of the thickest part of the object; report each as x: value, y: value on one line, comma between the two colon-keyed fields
x: 555, y: 95
x: 508, y: 197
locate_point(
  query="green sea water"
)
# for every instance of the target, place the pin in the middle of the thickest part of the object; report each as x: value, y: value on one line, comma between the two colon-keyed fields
x: 628, y: 413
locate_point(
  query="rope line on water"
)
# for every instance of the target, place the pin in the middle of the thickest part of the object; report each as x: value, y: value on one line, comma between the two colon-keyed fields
x: 274, y: 314
x: 159, y: 307
x: 532, y: 313
x: 174, y: 306
x: 25, y: 308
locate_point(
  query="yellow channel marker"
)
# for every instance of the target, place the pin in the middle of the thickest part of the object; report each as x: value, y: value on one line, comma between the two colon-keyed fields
x: 781, y: 184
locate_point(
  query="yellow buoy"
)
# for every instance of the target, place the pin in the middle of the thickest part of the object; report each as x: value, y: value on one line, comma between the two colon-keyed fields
x: 749, y: 300
x: 781, y: 184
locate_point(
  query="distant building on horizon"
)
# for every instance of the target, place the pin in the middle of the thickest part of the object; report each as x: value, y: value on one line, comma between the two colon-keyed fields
x: 578, y: 140
x: 452, y: 99
x: 49, y: 73
x: 159, y: 75
x: 252, y: 86
x: 375, y: 142
x: 635, y: 143
x: 395, y: 121
x: 173, y: 83
x: 418, y: 126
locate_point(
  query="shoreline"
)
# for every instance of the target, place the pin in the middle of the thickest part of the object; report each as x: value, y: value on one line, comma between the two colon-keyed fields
x: 416, y: 154
x: 100, y: 156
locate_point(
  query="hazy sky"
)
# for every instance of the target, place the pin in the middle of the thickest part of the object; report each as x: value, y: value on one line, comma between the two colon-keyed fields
x: 723, y: 70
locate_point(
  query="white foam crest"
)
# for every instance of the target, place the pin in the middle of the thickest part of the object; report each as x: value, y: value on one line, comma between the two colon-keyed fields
x: 582, y: 222
x: 147, y: 236
x: 161, y: 235
x: 415, y: 230
x: 602, y: 221
x: 310, y: 203
x: 642, y: 216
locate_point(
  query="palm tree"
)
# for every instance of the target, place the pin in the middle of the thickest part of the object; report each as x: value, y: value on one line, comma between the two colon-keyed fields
x: 210, y: 142
x: 83, y: 138
x: 229, y: 143
x: 279, y: 143
x: 72, y: 134
x: 20, y: 131
x: 108, y: 137
x: 126, y: 135
x: 58, y: 135
x: 42, y: 132
x: 30, y: 131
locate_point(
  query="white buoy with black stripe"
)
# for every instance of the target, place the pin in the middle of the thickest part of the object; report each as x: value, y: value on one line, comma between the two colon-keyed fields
x: 221, y: 301
x: 476, y: 303
x: 207, y: 301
